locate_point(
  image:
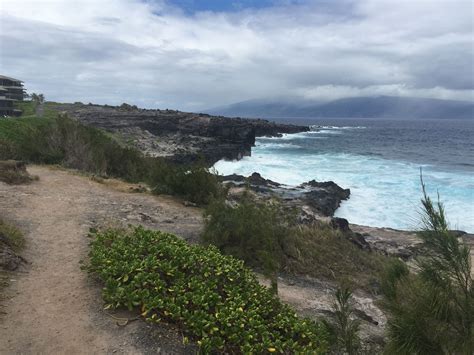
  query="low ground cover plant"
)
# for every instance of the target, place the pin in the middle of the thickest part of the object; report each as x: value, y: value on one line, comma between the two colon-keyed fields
x: 215, y: 298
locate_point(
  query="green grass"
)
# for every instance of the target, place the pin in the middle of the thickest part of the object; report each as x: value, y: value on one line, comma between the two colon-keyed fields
x: 214, y: 298
x: 11, y: 236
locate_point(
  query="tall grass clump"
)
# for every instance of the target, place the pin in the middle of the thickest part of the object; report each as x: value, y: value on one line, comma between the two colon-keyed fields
x: 266, y: 236
x: 252, y: 231
x: 214, y: 298
x: 432, y: 311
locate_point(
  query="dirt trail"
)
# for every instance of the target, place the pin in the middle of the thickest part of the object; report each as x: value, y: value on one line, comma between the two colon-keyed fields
x: 53, y: 307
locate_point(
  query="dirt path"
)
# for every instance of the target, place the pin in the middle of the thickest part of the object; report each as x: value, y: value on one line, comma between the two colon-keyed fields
x: 53, y: 307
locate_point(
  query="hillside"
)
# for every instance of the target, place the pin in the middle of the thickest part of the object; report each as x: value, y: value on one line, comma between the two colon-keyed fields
x: 356, y: 107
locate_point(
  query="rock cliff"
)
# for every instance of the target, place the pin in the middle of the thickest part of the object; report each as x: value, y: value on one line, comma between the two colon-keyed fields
x: 180, y: 136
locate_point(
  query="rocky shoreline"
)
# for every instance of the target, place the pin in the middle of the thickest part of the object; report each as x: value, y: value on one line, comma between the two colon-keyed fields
x: 181, y: 137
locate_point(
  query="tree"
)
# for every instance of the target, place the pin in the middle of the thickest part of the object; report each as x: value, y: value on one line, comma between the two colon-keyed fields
x: 37, y: 98
x: 432, y: 311
x: 345, y: 328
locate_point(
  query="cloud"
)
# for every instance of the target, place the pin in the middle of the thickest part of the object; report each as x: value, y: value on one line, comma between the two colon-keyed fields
x: 153, y: 54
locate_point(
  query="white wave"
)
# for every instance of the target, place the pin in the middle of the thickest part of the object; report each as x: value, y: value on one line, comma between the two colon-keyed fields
x: 384, y: 193
x: 319, y: 127
x: 266, y: 145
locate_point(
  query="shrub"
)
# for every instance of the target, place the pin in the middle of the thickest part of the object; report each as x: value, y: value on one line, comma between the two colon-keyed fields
x: 250, y: 230
x: 432, y: 311
x: 216, y: 300
x: 193, y: 182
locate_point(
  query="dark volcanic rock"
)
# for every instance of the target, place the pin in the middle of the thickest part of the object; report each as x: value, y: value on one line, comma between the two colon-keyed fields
x: 340, y: 223
x: 312, y: 199
x: 325, y: 196
x: 180, y: 136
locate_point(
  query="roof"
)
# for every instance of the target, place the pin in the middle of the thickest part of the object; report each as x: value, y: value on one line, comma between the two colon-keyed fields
x: 12, y: 87
x: 8, y: 78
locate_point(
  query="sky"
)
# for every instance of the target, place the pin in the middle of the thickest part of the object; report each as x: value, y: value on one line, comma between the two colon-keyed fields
x: 192, y: 55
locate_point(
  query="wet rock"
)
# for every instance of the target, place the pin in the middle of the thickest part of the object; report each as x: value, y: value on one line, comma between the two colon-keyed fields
x: 325, y: 196
x: 312, y: 199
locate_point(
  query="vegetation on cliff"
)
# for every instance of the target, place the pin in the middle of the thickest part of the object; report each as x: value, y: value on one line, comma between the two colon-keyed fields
x: 269, y: 238
x: 215, y: 298
x: 58, y: 139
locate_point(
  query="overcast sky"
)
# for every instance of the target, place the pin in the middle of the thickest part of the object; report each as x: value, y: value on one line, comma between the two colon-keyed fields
x: 191, y: 55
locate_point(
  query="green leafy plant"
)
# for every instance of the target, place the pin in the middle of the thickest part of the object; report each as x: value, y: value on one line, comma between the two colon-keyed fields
x: 216, y: 300
x: 432, y: 311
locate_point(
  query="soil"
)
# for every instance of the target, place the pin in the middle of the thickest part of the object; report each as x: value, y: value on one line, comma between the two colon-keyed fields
x: 52, y: 306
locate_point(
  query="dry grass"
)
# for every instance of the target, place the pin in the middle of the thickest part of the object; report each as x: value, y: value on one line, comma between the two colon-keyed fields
x: 14, y: 173
x: 322, y: 252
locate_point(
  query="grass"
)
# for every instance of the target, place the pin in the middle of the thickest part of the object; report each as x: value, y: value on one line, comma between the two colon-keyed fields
x: 323, y: 252
x: 214, y: 298
x: 10, y: 238
x: 268, y: 237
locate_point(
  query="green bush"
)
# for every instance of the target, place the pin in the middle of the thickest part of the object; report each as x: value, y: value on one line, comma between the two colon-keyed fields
x: 193, y: 182
x: 215, y: 298
x: 432, y: 311
x: 249, y: 230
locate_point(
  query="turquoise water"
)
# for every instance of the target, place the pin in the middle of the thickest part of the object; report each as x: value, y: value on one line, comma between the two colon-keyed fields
x: 380, y: 164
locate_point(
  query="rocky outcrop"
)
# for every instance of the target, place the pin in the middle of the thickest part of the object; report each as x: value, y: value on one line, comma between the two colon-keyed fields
x: 312, y: 199
x: 180, y: 136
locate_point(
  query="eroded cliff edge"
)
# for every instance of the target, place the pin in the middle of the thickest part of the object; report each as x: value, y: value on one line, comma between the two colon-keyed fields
x: 181, y: 137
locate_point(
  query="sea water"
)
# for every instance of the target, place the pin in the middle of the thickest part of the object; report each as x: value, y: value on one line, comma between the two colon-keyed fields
x: 380, y: 161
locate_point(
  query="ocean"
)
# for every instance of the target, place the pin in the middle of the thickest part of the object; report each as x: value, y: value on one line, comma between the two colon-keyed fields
x: 380, y: 161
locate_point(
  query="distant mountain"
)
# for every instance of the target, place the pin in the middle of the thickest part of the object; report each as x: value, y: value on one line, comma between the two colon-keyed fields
x: 355, y: 107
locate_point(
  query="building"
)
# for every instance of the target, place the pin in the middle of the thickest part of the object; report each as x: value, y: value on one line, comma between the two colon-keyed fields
x: 11, y: 90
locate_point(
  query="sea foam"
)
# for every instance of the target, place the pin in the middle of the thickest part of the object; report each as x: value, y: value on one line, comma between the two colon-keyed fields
x: 384, y: 192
